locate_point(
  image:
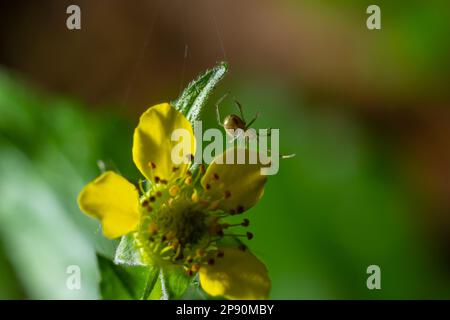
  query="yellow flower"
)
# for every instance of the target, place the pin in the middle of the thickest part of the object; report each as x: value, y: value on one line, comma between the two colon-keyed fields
x: 179, y: 219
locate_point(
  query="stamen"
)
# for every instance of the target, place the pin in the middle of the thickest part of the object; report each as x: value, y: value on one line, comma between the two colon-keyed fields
x: 227, y: 194
x: 240, y: 209
x: 195, y: 267
x: 145, y: 203
x: 190, y: 157
x: 152, y: 199
x: 141, y: 186
x: 173, y: 191
x: 152, y: 228
x: 248, y: 235
x: 216, y: 176
x: 220, y: 254
x: 211, y: 261
x: 214, y: 205
x: 166, y: 249
x: 245, y: 223
x: 157, y: 179
x: 208, y: 186
x: 188, y: 180
x: 200, y: 253
x: 194, y: 196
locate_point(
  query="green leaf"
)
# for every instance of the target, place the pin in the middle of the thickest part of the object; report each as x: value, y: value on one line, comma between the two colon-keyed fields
x: 127, y: 253
x: 194, y: 97
x: 174, y: 283
x: 38, y: 238
x: 120, y: 282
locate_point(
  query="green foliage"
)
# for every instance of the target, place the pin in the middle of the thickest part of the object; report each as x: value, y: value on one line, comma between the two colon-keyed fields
x: 176, y: 282
x: 119, y: 282
x: 336, y: 208
x: 195, y: 96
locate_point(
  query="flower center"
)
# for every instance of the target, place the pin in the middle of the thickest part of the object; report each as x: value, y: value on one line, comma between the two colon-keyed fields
x: 181, y: 225
x: 188, y: 226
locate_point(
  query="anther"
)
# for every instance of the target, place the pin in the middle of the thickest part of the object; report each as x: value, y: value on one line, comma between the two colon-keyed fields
x: 249, y: 235
x: 152, y: 228
x: 153, y: 165
x: 240, y: 209
x: 214, y: 205
x: 174, y: 243
x: 208, y: 186
x: 195, y: 267
x: 144, y: 203
x: 174, y: 169
x: 202, y: 168
x: 211, y: 261
x: 242, y: 247
x: 157, y: 179
x: 194, y: 196
x: 216, y: 176
x: 158, y: 194
x: 163, y: 181
x: 227, y: 194
x: 200, y: 252
x: 190, y: 157
x: 245, y: 223
x: 220, y: 254
x: 189, y: 272
x: 152, y: 199
x: 173, y: 191
x: 188, y: 180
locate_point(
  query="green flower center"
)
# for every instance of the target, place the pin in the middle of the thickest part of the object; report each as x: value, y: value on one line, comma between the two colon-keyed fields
x: 180, y: 225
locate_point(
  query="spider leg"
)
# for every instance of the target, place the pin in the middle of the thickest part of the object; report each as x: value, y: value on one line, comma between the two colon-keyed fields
x: 287, y: 156
x: 240, y: 109
x: 252, y: 121
x: 219, y: 121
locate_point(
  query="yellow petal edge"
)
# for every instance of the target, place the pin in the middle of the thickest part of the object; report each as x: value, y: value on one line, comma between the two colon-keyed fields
x: 114, y: 201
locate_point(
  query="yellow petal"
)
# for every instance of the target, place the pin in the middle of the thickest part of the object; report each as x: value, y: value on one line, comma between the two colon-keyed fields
x: 152, y: 144
x: 114, y: 201
x: 240, y: 186
x: 237, y: 275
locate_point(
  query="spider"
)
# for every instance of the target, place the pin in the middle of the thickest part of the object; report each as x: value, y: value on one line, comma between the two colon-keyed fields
x: 233, y: 124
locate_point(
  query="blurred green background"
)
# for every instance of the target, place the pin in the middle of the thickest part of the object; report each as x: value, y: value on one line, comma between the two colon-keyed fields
x: 366, y: 112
